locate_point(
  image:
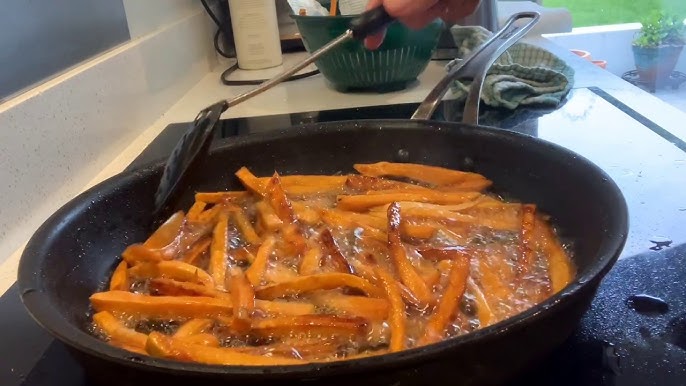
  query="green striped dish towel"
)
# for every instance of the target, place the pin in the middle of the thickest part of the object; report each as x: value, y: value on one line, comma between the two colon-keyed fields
x: 523, y: 75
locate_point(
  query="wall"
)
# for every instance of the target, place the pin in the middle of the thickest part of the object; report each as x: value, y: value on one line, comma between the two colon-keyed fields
x: 611, y: 43
x: 56, y: 137
x: 42, y: 38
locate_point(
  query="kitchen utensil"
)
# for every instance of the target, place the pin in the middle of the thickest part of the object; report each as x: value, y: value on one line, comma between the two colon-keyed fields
x: 334, y: 8
x: 403, y: 56
x: 193, y: 145
x: 72, y: 253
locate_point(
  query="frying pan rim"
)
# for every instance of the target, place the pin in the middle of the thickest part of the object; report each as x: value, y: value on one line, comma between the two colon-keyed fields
x: 45, y: 314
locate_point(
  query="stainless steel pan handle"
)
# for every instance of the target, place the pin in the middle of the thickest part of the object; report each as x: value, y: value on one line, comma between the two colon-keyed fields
x: 475, y: 67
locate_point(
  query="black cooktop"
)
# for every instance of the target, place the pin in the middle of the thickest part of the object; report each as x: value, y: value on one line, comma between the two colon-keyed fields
x: 620, y: 341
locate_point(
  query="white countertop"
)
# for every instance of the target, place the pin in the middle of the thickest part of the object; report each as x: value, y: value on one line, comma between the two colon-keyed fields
x: 309, y: 94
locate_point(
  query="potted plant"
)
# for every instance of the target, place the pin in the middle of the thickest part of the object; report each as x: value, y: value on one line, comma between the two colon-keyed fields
x: 657, y: 46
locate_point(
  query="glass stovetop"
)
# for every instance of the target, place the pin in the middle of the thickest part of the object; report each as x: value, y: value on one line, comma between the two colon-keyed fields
x: 614, y: 344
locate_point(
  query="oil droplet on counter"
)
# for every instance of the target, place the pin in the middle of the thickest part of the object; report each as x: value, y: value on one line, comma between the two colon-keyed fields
x: 660, y: 243
x: 611, y: 359
x: 646, y: 304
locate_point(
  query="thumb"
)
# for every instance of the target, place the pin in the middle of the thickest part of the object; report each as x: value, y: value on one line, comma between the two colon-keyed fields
x: 373, y: 42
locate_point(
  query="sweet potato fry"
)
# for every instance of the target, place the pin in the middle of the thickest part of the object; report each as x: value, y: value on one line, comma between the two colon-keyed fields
x: 250, y: 182
x: 267, y: 218
x: 118, y: 333
x: 310, y: 325
x: 308, y: 350
x: 322, y: 281
x: 166, y: 233
x: 335, y: 257
x: 243, y: 299
x: 445, y: 253
x: 169, y: 287
x: 209, y: 216
x: 197, y: 250
x: 203, y: 339
x: 138, y: 253
x: 279, y: 272
x: 424, y: 173
x: 367, y: 183
x: 408, y: 274
x: 278, y: 200
x: 437, y: 212
x: 305, y: 213
x: 369, y: 308
x: 246, y: 254
x: 255, y: 272
x: 285, y: 308
x: 164, y: 307
x: 396, y: 310
x: 310, y: 262
x: 475, y: 185
x: 219, y: 251
x: 195, y: 210
x: 363, y: 202
x: 337, y: 219
x: 245, y: 227
x: 418, y: 230
x: 526, y: 238
x: 193, y: 327
x: 221, y: 197
x: 483, y: 310
x: 120, y: 278
x: 559, y: 268
x: 314, y: 182
x: 176, y: 270
x: 161, y: 346
x: 448, y: 303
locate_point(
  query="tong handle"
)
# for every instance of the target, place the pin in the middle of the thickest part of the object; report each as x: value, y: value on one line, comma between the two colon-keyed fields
x: 475, y: 66
x: 370, y: 22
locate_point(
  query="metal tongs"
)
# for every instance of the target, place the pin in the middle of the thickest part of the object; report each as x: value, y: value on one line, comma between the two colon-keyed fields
x: 195, y: 143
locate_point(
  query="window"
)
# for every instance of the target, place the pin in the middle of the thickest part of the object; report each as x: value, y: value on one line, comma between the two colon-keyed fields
x: 41, y: 38
x: 587, y: 13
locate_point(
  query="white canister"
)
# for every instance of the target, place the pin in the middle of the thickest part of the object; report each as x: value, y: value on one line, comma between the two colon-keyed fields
x: 256, y: 33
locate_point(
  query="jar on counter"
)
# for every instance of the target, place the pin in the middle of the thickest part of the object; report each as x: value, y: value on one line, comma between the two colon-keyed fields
x: 256, y: 33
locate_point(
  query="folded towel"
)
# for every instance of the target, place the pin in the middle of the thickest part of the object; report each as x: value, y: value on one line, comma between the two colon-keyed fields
x: 523, y: 75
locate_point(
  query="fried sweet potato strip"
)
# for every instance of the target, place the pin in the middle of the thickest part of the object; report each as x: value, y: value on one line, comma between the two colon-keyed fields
x: 309, y: 183
x: 559, y: 268
x: 120, y: 278
x: 310, y: 325
x: 338, y: 219
x: 527, y: 238
x: 243, y: 299
x: 162, y: 346
x: 396, y: 310
x: 219, y: 251
x: 193, y: 327
x: 283, y: 209
x: 483, y: 310
x: 424, y: 173
x: 197, y: 250
x: 138, y: 253
x: 285, y: 308
x: 195, y: 210
x: 305, y: 213
x: 176, y: 270
x: 267, y: 218
x: 359, y: 203
x: 118, y: 334
x: 310, y: 262
x: 165, y: 307
x: 373, y: 309
x: 322, y: 281
x: 408, y: 274
x: 335, y: 257
x: 168, y: 287
x: 220, y: 197
x: 449, y: 302
x: 250, y: 182
x: 245, y: 227
x: 445, y: 253
x: 167, y: 232
x: 367, y: 183
x: 203, y: 339
x: 255, y: 273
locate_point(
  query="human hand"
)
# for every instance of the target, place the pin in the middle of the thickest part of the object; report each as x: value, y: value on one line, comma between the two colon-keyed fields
x: 418, y: 13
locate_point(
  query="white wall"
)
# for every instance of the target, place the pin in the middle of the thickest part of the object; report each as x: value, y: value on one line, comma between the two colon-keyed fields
x: 145, y: 16
x: 611, y: 43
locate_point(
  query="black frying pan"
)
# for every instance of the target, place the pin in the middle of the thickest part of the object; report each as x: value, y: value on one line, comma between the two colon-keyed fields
x: 76, y: 249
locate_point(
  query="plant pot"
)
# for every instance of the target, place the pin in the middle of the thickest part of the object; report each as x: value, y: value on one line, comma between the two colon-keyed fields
x: 655, y: 64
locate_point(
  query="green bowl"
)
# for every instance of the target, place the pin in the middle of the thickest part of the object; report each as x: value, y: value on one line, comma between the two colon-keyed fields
x: 404, y: 54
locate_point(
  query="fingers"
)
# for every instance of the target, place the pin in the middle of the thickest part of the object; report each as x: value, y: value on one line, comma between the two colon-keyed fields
x: 458, y: 9
x: 374, y: 41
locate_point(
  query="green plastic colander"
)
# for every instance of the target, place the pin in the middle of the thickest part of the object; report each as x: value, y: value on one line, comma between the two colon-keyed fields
x: 404, y: 54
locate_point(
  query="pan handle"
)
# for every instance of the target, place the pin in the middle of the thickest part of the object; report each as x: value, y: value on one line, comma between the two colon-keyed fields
x: 475, y: 66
